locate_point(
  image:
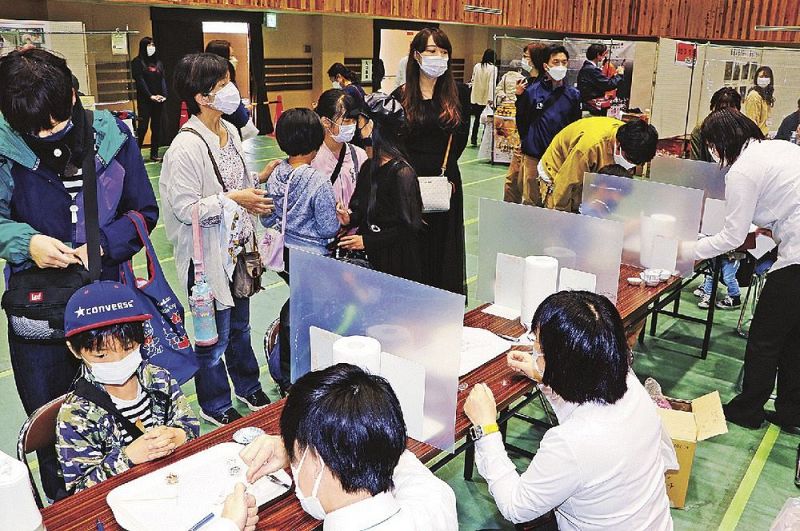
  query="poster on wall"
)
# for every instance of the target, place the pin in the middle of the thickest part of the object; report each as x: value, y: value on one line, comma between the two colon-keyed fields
x: 685, y: 53
x: 506, y: 137
x: 12, y: 38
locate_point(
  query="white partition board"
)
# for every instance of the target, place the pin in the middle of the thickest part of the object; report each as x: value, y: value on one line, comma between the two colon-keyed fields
x: 706, y: 176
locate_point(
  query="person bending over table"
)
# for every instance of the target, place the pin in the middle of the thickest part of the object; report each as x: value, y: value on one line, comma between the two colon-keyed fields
x: 343, y: 434
x: 762, y: 187
x: 603, y: 466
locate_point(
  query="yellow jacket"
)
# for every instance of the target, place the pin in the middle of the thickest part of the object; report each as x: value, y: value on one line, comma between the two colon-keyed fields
x: 757, y: 110
x: 585, y: 145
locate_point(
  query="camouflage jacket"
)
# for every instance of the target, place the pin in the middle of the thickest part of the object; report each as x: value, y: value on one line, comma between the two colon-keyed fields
x: 90, y: 441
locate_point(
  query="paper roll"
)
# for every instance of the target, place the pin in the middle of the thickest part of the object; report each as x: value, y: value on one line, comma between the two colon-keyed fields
x: 392, y: 337
x: 362, y: 351
x: 566, y: 257
x: 651, y: 226
x: 17, y: 508
x: 539, y: 281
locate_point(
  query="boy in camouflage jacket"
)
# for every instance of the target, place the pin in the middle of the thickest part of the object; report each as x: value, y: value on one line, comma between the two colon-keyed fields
x: 122, y: 410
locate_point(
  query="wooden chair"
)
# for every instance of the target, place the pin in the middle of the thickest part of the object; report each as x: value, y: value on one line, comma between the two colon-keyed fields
x: 38, y: 433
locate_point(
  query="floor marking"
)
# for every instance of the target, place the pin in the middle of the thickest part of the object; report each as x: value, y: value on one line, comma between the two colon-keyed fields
x: 484, y: 180
x: 470, y: 221
x: 731, y: 518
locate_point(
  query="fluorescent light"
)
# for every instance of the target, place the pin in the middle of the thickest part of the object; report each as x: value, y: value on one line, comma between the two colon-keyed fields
x: 777, y: 28
x: 226, y: 27
x: 483, y: 10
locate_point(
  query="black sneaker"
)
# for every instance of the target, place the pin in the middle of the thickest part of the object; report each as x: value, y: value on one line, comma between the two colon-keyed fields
x: 256, y: 401
x: 729, y: 303
x: 773, y: 418
x: 221, y: 419
x: 732, y: 415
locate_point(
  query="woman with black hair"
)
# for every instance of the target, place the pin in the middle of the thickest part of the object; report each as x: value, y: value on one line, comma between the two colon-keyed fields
x: 435, y: 135
x: 603, y: 466
x: 760, y: 99
x: 484, y: 78
x: 241, y: 115
x: 338, y: 158
x: 151, y: 93
x: 386, y: 207
x: 762, y: 187
x: 343, y: 78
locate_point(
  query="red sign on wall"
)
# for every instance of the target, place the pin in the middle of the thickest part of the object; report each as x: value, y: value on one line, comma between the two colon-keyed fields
x: 685, y: 53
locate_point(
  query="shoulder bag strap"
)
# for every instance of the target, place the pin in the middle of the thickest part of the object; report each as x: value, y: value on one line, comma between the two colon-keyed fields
x: 197, y: 244
x: 354, y: 158
x: 447, y: 153
x: 90, y: 210
x: 84, y: 389
x: 286, y: 202
x: 338, y: 169
x: 211, y: 156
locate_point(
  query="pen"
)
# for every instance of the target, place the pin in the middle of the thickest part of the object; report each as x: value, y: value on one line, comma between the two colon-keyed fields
x: 206, y: 519
x: 277, y: 481
x: 99, y: 525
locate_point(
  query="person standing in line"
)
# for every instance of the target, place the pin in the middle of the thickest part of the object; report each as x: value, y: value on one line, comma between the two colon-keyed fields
x: 343, y: 78
x: 512, y: 189
x: 760, y: 99
x: 762, y: 187
x: 545, y: 108
x: 151, y: 93
x: 484, y: 78
x: 437, y: 119
x: 204, y: 172
x: 593, y: 83
x: 221, y: 47
x: 790, y: 126
x: 721, y: 99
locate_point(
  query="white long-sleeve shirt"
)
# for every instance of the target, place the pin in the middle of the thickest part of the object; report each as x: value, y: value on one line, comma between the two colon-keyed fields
x: 602, y: 467
x: 484, y: 78
x: 420, y: 501
x: 763, y: 188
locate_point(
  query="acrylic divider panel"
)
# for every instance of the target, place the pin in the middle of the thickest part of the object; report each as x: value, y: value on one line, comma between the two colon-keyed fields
x: 578, y: 242
x: 411, y: 321
x: 653, y: 214
x: 706, y: 176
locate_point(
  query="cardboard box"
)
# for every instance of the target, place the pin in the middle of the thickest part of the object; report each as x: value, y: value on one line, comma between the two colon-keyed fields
x: 687, y: 423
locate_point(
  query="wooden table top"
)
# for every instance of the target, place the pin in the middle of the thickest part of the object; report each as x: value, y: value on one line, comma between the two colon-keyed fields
x: 80, y: 511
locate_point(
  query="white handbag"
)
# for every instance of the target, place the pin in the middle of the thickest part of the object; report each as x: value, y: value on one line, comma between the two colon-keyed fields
x: 437, y: 190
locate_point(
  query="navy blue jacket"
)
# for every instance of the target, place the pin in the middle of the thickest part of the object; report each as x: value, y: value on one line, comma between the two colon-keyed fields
x: 538, y: 125
x: 592, y: 83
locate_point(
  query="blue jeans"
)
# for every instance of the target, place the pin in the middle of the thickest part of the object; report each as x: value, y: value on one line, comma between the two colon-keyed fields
x: 211, y: 380
x: 43, y: 372
x: 728, y: 273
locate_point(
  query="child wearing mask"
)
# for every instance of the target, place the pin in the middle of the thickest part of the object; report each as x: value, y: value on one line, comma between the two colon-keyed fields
x: 122, y: 411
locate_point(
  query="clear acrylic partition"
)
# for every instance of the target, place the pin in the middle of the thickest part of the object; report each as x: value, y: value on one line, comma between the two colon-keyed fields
x: 706, y: 176
x: 593, y: 245
x: 412, y: 321
x: 651, y: 212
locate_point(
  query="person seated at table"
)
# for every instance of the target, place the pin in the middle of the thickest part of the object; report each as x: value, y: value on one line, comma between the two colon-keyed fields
x: 122, y: 410
x: 343, y: 434
x: 603, y: 466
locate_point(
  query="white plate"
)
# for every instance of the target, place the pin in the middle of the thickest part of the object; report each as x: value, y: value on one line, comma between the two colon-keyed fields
x: 149, y: 503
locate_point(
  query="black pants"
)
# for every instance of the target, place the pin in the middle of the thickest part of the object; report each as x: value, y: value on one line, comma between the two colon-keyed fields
x: 149, y: 114
x: 475, y: 111
x: 773, y: 346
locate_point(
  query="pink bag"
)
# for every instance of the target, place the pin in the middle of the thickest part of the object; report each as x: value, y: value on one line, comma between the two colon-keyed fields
x: 271, y: 246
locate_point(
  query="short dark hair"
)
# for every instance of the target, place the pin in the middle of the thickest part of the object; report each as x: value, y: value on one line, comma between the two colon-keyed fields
x: 35, y: 90
x: 595, y: 50
x: 219, y: 47
x: 638, y: 139
x: 352, y: 420
x: 726, y: 97
x: 127, y: 334
x: 197, y: 73
x: 548, y: 52
x: 584, y: 346
x: 338, y: 69
x: 727, y: 130
x: 614, y: 169
x: 335, y: 103
x: 299, y: 132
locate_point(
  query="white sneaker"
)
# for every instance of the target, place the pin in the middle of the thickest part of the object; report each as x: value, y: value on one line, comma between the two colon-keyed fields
x: 705, y: 302
x: 699, y: 292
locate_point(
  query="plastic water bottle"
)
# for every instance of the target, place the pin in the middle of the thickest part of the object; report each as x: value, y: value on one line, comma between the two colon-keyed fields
x: 201, y: 303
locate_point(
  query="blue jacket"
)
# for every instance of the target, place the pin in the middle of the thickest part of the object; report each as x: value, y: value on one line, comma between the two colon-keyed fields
x: 592, y: 83
x: 33, y: 199
x: 540, y: 118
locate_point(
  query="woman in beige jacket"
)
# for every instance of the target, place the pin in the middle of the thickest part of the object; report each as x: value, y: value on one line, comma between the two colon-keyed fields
x: 760, y: 100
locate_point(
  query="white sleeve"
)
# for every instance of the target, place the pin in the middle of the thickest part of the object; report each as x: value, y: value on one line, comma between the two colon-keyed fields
x: 741, y: 195
x: 181, y: 186
x: 221, y: 524
x: 552, y: 477
x: 428, y: 501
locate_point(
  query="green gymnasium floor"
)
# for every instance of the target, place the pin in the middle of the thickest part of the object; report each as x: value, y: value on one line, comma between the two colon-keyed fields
x: 740, y: 480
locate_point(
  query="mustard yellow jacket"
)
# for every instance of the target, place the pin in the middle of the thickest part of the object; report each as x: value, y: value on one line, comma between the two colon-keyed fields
x: 583, y: 146
x: 757, y: 110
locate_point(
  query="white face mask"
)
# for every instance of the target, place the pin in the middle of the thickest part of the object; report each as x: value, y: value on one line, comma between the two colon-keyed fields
x: 227, y: 99
x: 151, y: 50
x: 346, y: 133
x: 763, y: 81
x: 557, y: 72
x: 310, y: 504
x: 620, y: 159
x: 526, y: 64
x: 117, y: 372
x: 336, y: 85
x: 714, y: 156
x: 433, y: 65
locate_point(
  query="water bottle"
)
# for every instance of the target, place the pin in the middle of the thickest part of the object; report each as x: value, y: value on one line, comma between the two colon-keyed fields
x: 793, y: 138
x: 201, y: 303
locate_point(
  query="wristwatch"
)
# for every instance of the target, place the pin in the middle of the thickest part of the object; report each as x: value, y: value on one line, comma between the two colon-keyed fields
x: 476, y: 432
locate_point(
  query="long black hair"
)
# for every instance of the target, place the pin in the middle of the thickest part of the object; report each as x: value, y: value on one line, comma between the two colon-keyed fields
x: 334, y: 104
x: 727, y: 131
x: 338, y: 69
x: 489, y: 57
x: 143, y: 44
x: 767, y: 93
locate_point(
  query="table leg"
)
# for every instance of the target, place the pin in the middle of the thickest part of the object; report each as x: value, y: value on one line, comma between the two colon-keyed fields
x: 469, y: 462
x: 711, y: 307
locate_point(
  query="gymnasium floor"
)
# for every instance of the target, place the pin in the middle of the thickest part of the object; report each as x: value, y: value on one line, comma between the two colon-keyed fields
x: 740, y: 480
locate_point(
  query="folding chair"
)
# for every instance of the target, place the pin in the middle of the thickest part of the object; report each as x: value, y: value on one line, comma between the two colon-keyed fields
x: 270, y: 340
x: 38, y: 433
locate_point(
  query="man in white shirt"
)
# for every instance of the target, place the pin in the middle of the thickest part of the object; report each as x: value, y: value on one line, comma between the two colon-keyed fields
x: 343, y: 434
